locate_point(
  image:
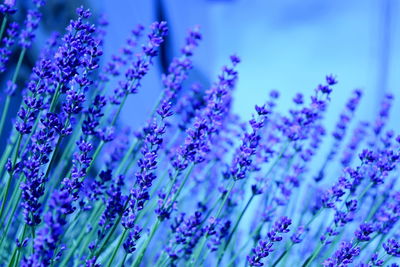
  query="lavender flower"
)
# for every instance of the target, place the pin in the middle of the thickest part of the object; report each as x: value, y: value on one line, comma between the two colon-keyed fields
x: 130, y: 243
x: 147, y: 164
x: 343, y: 256
x: 8, y: 7
x: 177, y: 71
x: 264, y: 247
x: 186, y: 233
x: 27, y: 34
x: 196, y: 144
x: 392, y: 247
x: 141, y: 65
x: 340, y: 130
x: 364, y: 232
x: 243, y: 159
x: 7, y: 43
x: 359, y: 134
x: 33, y: 187
x: 47, y: 241
x: 81, y: 185
x: 383, y: 114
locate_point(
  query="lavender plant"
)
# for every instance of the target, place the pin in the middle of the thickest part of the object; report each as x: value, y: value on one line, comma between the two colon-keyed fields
x: 194, y: 186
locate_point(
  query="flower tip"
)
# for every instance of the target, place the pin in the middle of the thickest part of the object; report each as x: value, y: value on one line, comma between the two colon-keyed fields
x: 331, y: 80
x: 9, y: 3
x: 235, y: 59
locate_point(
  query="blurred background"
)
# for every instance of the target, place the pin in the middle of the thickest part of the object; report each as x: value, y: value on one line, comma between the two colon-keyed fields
x: 285, y: 45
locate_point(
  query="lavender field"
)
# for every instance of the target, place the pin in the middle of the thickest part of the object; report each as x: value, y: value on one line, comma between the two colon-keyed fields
x: 298, y: 182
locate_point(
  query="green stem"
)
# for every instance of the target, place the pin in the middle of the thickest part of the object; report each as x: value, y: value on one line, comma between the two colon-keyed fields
x: 54, y: 100
x: 121, y: 239
x: 4, y: 113
x: 114, y: 120
x: 95, y: 155
x: 387, y: 260
x: 19, y: 63
x: 10, y: 175
x: 110, y: 233
x: 292, y: 244
x: 235, y: 228
x: 252, y: 235
x: 53, y: 157
x: 360, y: 197
x: 156, y: 225
x: 3, y: 26
x: 15, y: 202
x: 124, y: 259
x: 313, y: 256
x: 282, y: 255
x: 196, y: 256
x: 6, y: 153
x: 139, y: 259
x: 95, y: 214
x: 14, y: 261
x: 128, y: 153
x: 8, y: 98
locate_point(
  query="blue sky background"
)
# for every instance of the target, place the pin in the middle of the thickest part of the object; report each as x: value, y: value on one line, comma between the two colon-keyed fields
x: 286, y: 45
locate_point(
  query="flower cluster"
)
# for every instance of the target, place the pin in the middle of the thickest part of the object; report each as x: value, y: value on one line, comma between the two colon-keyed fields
x: 264, y: 247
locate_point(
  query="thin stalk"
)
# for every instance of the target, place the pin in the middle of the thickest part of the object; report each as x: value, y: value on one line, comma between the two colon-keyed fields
x: 134, y: 159
x: 124, y: 259
x: 96, y: 213
x: 292, y: 244
x: 282, y: 256
x: 196, y: 256
x: 313, y: 256
x: 114, y: 120
x: 319, y: 247
x: 235, y: 228
x: 10, y: 220
x: 3, y: 26
x: 360, y: 197
x: 14, y: 261
x: 139, y: 259
x: 54, y: 100
x: 379, y: 244
x: 158, y: 221
x: 4, y: 113
x: 387, y: 260
x: 10, y: 176
x: 110, y: 233
x: 53, y: 156
x: 252, y: 235
x: 8, y: 98
x: 94, y: 157
x: 121, y: 239
x: 128, y: 153
x: 6, y: 154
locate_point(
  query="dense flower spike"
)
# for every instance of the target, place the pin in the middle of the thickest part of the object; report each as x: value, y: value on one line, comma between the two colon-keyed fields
x: 343, y: 256
x: 7, y: 43
x: 177, y: 71
x: 392, y: 247
x: 46, y: 243
x: 130, y: 243
x: 31, y: 23
x: 340, y: 129
x: 243, y: 159
x: 207, y: 123
x: 79, y: 188
x: 264, y: 247
x: 8, y: 7
x: 140, y: 67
